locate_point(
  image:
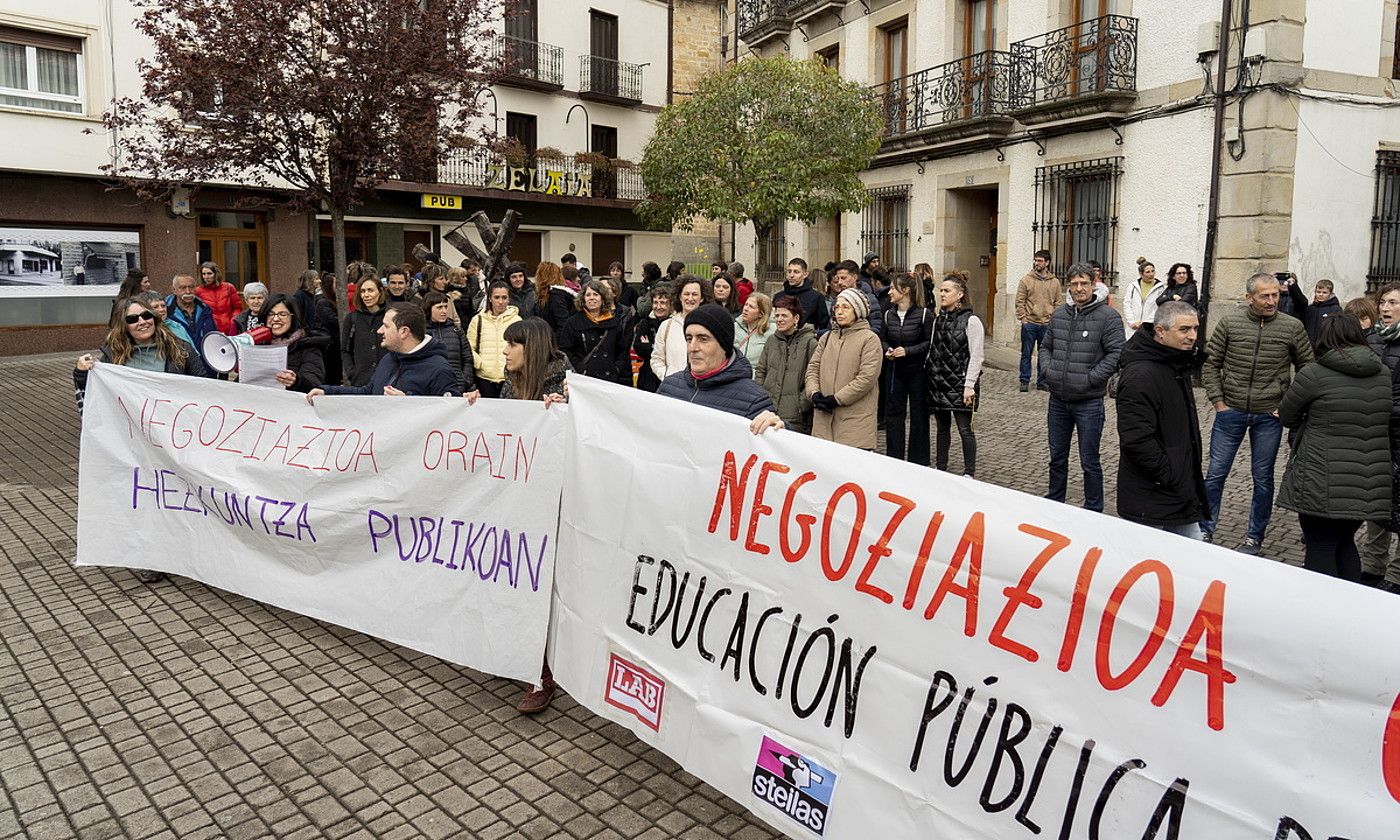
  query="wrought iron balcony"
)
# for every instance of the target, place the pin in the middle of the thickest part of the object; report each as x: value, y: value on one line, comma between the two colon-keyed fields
x: 484, y: 169
x: 969, y: 96
x: 761, y: 21
x: 609, y: 80
x: 1081, y: 70
x: 530, y: 64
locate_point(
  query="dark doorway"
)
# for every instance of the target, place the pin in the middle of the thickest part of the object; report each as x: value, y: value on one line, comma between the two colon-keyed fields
x: 602, y: 47
x: 525, y: 248
x: 603, y: 141
x: 523, y: 127
x: 608, y: 248
x: 416, y: 237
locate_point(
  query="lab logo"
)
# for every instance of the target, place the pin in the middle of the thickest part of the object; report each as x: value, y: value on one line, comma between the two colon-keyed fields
x: 635, y: 690
x: 794, y: 784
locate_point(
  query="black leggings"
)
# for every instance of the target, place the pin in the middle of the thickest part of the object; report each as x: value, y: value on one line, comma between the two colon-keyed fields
x: 1331, y: 546
x: 942, y: 419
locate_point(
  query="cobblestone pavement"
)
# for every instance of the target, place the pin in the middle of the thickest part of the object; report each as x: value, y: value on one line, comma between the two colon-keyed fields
x: 180, y: 711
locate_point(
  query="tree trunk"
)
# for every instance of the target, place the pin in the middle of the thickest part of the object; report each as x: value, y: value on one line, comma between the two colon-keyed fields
x: 338, y: 240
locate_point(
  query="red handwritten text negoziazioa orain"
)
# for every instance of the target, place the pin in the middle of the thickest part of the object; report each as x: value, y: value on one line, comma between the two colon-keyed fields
x: 165, y: 423
x: 877, y: 517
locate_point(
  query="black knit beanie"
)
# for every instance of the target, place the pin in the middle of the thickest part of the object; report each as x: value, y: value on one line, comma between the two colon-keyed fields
x: 718, y: 321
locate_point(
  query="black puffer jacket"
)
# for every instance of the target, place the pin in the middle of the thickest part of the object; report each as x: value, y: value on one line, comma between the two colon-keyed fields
x: 360, y: 348
x: 1340, y: 468
x: 913, y: 334
x: 950, y: 355
x: 422, y: 372
x: 732, y: 390
x: 1389, y: 351
x: 1159, y: 472
x: 600, y: 349
x: 1080, y: 351
x: 459, y: 354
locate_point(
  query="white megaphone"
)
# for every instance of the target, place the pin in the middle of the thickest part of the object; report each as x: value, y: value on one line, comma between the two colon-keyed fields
x: 221, y: 351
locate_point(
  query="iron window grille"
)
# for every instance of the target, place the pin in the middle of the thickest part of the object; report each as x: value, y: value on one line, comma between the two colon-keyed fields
x: 885, y: 226
x: 770, y: 253
x: 1385, y: 223
x: 1076, y: 213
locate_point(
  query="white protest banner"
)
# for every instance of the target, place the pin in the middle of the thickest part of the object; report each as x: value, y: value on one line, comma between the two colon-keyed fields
x: 855, y: 647
x: 420, y: 520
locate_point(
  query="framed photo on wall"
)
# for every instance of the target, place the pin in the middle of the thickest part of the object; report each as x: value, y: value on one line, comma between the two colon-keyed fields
x: 64, y: 261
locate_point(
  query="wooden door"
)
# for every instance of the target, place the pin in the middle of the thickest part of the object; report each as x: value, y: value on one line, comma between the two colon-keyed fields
x: 602, y: 47
x: 526, y: 248
x: 607, y: 249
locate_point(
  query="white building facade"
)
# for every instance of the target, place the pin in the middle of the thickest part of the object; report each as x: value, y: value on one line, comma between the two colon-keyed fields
x: 1086, y: 127
x: 581, y: 79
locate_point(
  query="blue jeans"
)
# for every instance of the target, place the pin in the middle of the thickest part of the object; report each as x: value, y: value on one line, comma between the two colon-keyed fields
x: 1032, y: 335
x: 1191, y: 530
x: 1265, y: 435
x: 1084, y: 417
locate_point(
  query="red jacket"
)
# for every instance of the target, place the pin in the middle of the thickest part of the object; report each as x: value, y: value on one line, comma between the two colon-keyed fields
x: 225, y: 302
x: 744, y: 288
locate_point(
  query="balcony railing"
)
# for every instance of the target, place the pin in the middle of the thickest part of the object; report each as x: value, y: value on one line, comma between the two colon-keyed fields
x: 762, y: 20
x: 977, y: 87
x: 530, y: 63
x: 1094, y: 60
x: 485, y: 169
x: 609, y: 80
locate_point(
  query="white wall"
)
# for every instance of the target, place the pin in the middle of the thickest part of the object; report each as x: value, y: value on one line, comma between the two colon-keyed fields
x: 1344, y: 36
x: 51, y: 142
x: 1333, y: 199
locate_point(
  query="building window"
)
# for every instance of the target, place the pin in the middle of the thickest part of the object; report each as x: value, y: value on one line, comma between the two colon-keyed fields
x: 885, y: 226
x: 1076, y: 212
x: 831, y: 57
x: 771, y: 253
x: 39, y: 70
x: 1385, y: 223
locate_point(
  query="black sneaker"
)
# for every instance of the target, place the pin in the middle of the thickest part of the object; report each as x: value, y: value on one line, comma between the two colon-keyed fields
x: 1388, y: 586
x: 1250, y: 546
x: 1025, y: 386
x: 1042, y: 387
x: 1207, y: 537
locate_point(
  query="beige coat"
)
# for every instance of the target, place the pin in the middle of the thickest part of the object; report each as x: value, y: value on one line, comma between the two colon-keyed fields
x: 846, y: 365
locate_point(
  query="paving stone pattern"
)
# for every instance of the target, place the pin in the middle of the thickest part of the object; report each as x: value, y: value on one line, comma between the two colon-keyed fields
x: 177, y: 710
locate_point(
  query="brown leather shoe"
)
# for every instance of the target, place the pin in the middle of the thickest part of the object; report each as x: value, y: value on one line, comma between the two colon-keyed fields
x: 536, y: 700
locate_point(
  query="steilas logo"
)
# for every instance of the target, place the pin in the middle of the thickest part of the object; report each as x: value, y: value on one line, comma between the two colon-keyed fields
x: 794, y: 784
x: 635, y: 690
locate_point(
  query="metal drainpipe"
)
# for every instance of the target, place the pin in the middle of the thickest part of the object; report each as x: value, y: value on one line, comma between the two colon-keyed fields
x: 670, y: 48
x: 1217, y: 147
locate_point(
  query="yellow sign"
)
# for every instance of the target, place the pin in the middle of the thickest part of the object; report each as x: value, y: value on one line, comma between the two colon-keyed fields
x: 442, y: 202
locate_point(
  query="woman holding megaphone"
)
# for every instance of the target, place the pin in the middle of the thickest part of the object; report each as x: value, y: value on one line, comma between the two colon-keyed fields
x: 306, y: 366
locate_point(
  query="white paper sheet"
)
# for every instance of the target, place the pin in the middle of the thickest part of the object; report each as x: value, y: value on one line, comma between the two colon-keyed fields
x: 260, y: 365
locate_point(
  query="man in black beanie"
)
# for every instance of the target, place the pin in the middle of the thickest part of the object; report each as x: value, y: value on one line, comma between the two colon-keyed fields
x: 716, y: 376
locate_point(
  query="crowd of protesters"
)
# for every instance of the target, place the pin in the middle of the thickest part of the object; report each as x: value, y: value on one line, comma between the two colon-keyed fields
x: 846, y: 350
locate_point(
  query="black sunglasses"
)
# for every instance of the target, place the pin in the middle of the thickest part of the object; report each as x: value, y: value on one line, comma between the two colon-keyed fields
x: 140, y: 316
